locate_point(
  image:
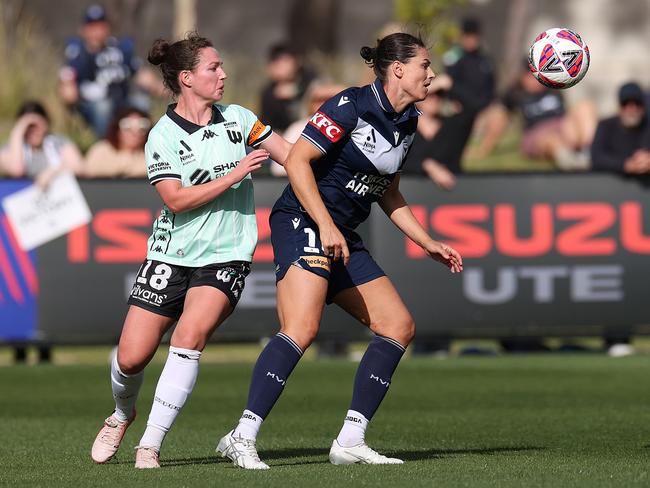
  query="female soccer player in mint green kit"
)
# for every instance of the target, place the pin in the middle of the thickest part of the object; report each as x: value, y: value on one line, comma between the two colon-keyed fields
x: 349, y: 156
x: 202, y: 243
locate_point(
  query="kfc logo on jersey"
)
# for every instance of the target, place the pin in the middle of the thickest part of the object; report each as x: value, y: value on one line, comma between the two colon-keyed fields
x: 326, y: 126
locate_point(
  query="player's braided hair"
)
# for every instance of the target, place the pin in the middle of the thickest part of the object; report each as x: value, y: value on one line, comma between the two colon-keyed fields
x: 394, y: 47
x: 176, y: 57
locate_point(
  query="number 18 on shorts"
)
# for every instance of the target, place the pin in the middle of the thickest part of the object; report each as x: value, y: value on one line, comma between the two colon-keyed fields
x: 161, y: 288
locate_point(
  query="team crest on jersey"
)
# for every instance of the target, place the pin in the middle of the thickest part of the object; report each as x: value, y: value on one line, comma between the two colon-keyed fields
x: 326, y: 126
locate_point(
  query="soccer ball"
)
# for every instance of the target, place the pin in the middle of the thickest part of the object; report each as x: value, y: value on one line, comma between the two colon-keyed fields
x: 558, y: 58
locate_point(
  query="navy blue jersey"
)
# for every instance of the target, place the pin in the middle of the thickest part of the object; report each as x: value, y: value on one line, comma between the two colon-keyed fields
x: 364, y: 143
x: 104, y: 74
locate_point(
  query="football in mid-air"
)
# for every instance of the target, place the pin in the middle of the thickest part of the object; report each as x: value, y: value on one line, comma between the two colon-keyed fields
x: 559, y: 58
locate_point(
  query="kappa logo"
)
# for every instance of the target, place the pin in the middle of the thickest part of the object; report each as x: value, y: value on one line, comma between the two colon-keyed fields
x: 235, y: 136
x: 343, y: 101
x: 326, y: 126
x: 295, y: 222
x: 208, y: 134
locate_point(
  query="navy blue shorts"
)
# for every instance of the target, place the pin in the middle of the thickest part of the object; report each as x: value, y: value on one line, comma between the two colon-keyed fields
x: 296, y: 242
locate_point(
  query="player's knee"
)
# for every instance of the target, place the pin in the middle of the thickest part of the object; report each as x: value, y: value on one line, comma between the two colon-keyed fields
x: 406, y: 331
x: 304, y: 334
x: 130, y: 365
x: 401, y: 329
x: 189, y: 339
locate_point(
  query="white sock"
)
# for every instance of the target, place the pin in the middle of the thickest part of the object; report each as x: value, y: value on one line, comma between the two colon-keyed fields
x: 174, y: 387
x: 249, y: 425
x: 353, y: 431
x: 125, y: 390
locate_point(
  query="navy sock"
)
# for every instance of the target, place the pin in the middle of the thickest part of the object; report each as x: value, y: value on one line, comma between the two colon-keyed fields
x: 273, y: 367
x: 374, y: 375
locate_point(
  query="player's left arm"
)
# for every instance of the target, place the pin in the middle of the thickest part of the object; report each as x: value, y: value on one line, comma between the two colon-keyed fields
x: 278, y: 147
x: 395, y: 207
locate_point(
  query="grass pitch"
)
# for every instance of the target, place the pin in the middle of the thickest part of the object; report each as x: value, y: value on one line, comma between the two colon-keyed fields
x: 552, y: 420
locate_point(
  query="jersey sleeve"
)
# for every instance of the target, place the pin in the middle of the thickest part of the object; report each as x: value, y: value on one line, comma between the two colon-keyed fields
x: 255, y: 131
x: 162, y: 161
x: 333, y: 120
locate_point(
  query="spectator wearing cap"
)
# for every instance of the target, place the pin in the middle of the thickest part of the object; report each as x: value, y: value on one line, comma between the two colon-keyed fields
x: 281, y: 98
x: 96, y: 77
x: 622, y: 142
x: 467, y: 88
x: 121, y: 154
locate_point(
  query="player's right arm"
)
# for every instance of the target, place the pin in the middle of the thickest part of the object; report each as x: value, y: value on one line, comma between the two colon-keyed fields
x: 301, y: 177
x: 180, y: 198
x: 163, y: 171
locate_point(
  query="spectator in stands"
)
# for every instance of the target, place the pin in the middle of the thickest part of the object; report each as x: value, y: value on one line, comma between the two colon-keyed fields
x: 121, y: 154
x: 96, y: 78
x: 551, y: 132
x: 317, y: 94
x: 33, y: 152
x: 419, y: 161
x: 470, y: 90
x: 281, y: 97
x: 622, y: 142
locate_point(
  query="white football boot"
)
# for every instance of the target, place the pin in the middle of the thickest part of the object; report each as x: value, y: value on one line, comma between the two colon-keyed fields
x: 361, y: 454
x: 240, y: 451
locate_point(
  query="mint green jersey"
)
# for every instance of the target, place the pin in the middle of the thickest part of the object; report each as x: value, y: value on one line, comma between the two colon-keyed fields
x: 225, y: 228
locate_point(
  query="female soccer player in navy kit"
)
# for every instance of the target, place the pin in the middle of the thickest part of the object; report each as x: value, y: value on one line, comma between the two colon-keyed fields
x: 202, y: 243
x: 349, y: 156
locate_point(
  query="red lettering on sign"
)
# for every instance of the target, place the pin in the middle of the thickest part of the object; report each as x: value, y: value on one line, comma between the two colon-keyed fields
x: 505, y: 231
x: 414, y: 251
x: 264, y: 251
x: 453, y: 222
x: 326, y: 126
x: 632, y: 236
x: 580, y: 239
x: 79, y: 245
x: 116, y: 226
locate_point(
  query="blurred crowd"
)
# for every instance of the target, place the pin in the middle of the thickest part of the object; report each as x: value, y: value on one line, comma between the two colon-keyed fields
x: 111, y: 89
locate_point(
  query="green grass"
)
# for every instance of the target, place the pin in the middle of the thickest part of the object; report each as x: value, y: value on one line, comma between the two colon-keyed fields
x: 554, y: 420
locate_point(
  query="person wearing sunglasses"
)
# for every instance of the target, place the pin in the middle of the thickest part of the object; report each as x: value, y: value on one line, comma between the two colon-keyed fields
x: 121, y: 153
x: 622, y: 142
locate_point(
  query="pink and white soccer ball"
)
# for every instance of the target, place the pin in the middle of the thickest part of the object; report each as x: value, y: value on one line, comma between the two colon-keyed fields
x: 559, y: 58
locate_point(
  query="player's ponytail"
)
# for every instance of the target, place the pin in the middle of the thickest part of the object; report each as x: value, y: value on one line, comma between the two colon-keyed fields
x: 368, y: 54
x: 158, y: 52
x: 394, y: 47
x: 179, y: 56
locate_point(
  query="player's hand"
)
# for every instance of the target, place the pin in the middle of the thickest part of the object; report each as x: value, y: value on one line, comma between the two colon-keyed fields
x: 446, y: 255
x: 251, y: 162
x: 334, y: 244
